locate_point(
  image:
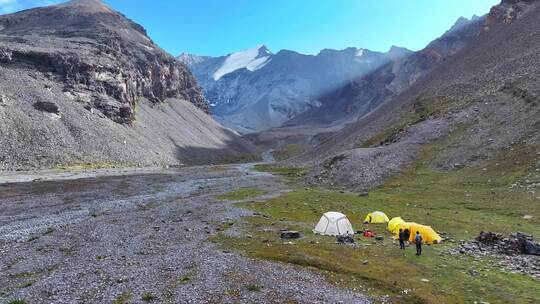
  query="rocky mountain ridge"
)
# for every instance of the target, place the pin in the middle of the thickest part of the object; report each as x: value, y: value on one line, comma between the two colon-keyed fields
x: 105, y: 60
x: 82, y: 84
x: 479, y: 104
x: 363, y: 94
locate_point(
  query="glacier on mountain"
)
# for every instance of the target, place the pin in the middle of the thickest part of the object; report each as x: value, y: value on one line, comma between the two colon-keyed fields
x: 250, y: 59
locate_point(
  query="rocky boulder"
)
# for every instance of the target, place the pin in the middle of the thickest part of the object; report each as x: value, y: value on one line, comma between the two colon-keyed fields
x: 489, y: 238
x: 515, y: 244
x: 47, y: 106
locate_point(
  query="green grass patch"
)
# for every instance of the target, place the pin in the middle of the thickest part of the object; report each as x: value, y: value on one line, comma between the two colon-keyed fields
x: 33, y: 238
x: 421, y: 110
x: 23, y: 275
x: 17, y: 301
x: 242, y: 194
x: 93, y: 166
x: 148, y: 297
x: 253, y: 287
x: 123, y: 298
x: 292, y: 175
x: 288, y: 151
x: 491, y: 196
x: 27, y: 284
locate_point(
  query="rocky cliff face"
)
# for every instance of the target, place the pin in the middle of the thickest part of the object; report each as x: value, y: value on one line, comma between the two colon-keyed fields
x: 506, y: 12
x: 254, y: 89
x: 104, y: 60
x: 81, y: 83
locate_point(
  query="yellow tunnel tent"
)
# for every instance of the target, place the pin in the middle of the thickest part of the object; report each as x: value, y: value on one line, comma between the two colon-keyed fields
x: 429, y: 235
x: 393, y: 224
x: 376, y: 217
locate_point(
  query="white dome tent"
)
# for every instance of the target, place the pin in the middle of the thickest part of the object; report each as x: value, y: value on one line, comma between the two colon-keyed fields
x: 334, y: 223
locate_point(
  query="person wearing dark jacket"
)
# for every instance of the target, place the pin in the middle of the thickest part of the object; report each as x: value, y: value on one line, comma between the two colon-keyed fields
x: 406, y: 234
x: 418, y: 241
x: 401, y: 239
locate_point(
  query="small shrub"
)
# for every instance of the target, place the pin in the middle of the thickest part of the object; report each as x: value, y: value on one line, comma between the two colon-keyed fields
x: 185, y: 280
x: 27, y: 284
x: 18, y: 301
x: 253, y: 287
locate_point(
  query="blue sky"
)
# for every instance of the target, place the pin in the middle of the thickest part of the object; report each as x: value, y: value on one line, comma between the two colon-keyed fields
x: 218, y: 27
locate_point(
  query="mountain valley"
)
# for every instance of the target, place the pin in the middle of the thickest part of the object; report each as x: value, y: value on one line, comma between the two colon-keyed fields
x: 130, y: 176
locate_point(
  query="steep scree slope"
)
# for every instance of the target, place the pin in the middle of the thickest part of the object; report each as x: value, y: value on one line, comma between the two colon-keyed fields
x: 82, y: 83
x: 478, y: 103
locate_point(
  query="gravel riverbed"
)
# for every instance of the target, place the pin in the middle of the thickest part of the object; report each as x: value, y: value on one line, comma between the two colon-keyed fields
x: 141, y: 238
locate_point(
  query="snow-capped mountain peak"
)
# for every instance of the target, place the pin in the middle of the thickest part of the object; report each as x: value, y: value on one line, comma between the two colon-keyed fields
x: 250, y: 59
x: 359, y: 52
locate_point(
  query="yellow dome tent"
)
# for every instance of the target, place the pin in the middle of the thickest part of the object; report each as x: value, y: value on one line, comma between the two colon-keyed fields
x: 376, y: 217
x: 429, y: 235
x: 393, y: 224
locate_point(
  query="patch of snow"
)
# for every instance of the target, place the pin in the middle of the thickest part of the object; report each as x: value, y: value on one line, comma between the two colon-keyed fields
x: 359, y: 53
x: 251, y: 59
x: 146, y: 47
x: 213, y: 104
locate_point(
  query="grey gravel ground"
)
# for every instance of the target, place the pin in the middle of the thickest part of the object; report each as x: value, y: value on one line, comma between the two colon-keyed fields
x: 98, y: 239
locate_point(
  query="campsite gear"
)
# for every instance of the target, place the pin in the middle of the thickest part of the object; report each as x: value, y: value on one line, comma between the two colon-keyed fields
x: 290, y: 235
x: 334, y: 223
x: 345, y: 239
x: 393, y: 224
x: 429, y: 235
x: 418, y: 241
x: 377, y: 217
x: 369, y: 233
x: 531, y: 248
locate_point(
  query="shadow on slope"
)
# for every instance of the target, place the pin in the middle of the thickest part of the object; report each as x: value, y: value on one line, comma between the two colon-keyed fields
x: 234, y: 151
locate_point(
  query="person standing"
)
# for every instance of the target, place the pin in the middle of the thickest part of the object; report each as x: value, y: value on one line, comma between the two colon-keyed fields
x: 406, y: 236
x: 418, y: 241
x: 401, y: 239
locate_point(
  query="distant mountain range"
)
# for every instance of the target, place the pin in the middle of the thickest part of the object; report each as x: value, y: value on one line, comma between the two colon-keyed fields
x: 254, y: 89
x: 363, y: 94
